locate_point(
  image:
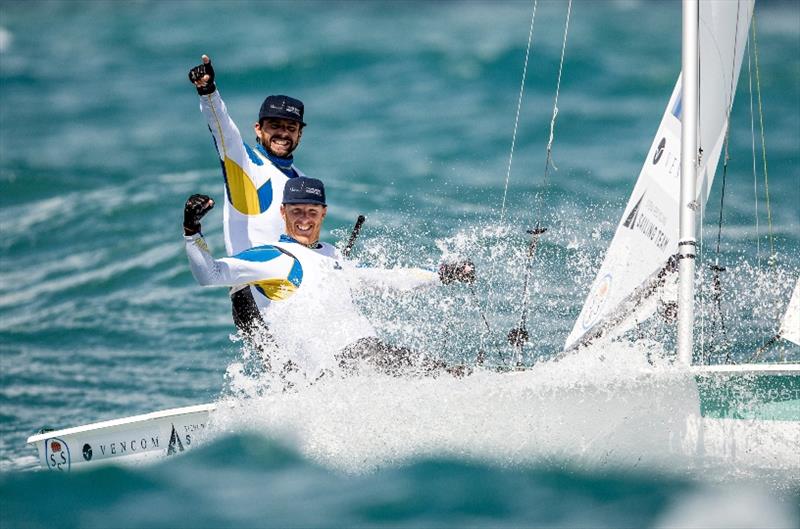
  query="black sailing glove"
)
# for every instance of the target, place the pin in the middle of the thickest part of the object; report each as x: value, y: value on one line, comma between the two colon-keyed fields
x: 197, y: 73
x: 195, y: 209
x: 461, y: 271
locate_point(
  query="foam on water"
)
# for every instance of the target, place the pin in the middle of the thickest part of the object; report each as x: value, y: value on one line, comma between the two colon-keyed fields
x: 607, y: 408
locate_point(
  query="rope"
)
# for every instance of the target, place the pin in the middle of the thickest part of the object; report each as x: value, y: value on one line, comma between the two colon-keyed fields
x: 753, y: 148
x: 549, y: 159
x: 517, y: 337
x: 727, y: 157
x: 722, y: 199
x: 763, y: 143
x: 772, y: 256
x: 519, y: 107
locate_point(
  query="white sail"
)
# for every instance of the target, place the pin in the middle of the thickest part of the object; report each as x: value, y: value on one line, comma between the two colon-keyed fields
x: 790, y: 324
x: 647, y: 234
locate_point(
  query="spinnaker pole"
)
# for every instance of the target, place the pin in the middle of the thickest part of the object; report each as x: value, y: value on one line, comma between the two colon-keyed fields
x: 687, y: 241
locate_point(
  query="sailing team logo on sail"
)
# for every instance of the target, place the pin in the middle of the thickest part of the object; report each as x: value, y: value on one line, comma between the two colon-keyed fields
x: 650, y: 225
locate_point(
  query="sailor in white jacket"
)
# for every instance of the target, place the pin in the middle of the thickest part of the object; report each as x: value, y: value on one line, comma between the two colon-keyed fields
x: 302, y: 288
x: 254, y: 177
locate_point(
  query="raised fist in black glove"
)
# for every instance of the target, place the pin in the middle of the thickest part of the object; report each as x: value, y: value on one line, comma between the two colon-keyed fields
x: 195, y: 209
x: 203, y: 77
x: 461, y: 271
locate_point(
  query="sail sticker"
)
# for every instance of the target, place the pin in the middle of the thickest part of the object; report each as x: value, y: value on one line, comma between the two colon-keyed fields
x: 596, y: 302
x: 677, y: 108
x: 631, y: 218
x: 649, y: 221
x: 659, y: 150
x: 56, y: 453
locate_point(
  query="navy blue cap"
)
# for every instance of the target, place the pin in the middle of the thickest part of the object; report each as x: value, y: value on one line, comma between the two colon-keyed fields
x: 281, y: 107
x: 304, y: 190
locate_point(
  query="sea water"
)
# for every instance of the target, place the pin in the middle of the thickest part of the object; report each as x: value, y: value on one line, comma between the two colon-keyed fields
x: 411, y: 109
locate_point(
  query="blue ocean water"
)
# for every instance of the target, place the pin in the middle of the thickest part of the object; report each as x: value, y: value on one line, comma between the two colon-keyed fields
x: 411, y: 108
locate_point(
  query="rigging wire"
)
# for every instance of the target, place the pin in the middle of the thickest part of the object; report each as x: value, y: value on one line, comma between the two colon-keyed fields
x: 549, y: 159
x: 772, y: 260
x: 519, y: 107
x: 492, y: 302
x: 716, y: 267
x: 763, y: 143
x: 753, y: 149
x: 492, y: 274
x: 518, y: 336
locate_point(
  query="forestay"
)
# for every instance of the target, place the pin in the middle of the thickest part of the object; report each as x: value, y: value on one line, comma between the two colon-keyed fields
x: 647, y: 234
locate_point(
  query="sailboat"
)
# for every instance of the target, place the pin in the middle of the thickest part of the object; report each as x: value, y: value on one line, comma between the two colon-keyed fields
x: 640, y: 267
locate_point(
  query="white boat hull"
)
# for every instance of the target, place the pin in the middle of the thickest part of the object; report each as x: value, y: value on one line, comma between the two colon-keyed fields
x: 150, y: 435
x: 725, y: 410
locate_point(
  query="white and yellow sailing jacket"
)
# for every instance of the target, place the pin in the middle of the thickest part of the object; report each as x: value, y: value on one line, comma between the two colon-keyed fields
x: 304, y: 294
x: 253, y: 185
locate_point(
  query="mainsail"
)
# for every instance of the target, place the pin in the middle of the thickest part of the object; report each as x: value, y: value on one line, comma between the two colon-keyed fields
x: 790, y: 324
x: 647, y: 234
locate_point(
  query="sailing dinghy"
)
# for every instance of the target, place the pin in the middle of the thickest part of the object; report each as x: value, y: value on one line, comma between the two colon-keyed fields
x: 638, y: 268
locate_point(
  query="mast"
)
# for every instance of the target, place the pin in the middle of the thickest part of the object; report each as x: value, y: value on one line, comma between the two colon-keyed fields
x: 687, y: 242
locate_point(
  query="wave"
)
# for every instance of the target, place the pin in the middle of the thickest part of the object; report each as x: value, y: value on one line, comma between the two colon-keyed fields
x: 248, y: 479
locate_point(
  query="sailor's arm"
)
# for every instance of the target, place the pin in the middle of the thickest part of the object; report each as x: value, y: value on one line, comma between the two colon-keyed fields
x: 227, y: 137
x: 414, y: 278
x: 257, y: 264
x: 394, y: 278
x: 205, y: 269
x: 232, y: 271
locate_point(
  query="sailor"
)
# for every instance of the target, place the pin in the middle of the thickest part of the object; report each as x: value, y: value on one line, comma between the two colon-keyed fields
x: 254, y: 177
x: 303, y: 288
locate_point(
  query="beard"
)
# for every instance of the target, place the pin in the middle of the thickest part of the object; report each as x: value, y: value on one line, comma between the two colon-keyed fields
x: 289, y: 150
